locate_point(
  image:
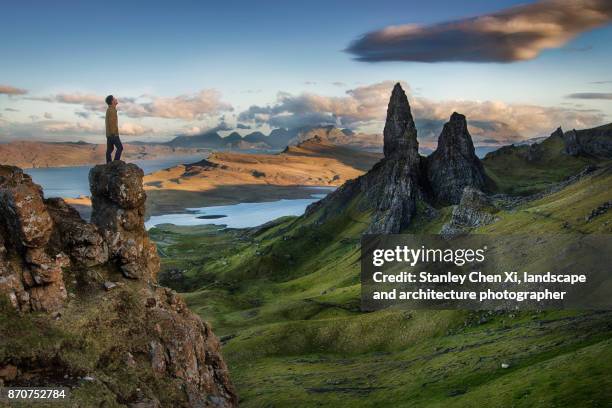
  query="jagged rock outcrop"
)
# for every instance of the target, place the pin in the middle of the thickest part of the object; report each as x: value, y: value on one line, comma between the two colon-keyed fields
x: 30, y: 277
x: 118, y: 210
x: 394, y: 186
x: 81, y: 241
x: 596, y: 142
x: 403, y: 183
x: 475, y: 209
x: 53, y: 261
x: 454, y: 164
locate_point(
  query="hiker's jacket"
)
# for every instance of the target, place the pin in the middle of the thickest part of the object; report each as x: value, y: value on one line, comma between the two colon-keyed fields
x: 112, y: 123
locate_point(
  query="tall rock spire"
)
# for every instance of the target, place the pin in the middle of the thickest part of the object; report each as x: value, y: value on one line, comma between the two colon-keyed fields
x: 392, y: 188
x: 454, y: 165
x: 400, y: 134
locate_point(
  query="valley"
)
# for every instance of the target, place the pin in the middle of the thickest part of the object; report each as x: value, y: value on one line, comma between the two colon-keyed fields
x: 285, y: 296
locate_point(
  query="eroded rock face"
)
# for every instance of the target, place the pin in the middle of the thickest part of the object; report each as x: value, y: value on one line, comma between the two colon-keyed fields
x: 22, y: 208
x: 474, y: 210
x: 118, y: 210
x: 394, y: 189
x: 185, y: 347
x: 595, y: 142
x: 43, y: 242
x: 81, y: 241
x: 454, y: 164
x: 30, y: 277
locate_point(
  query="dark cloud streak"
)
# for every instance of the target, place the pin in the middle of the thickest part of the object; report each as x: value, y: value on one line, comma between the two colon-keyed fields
x: 590, y: 95
x: 515, y: 34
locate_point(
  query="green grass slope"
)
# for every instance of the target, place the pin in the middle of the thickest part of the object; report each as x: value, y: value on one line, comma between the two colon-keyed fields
x: 285, y: 300
x: 526, y: 170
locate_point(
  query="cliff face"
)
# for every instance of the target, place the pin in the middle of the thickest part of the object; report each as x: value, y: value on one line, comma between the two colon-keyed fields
x: 403, y: 182
x: 595, y: 142
x: 97, y: 283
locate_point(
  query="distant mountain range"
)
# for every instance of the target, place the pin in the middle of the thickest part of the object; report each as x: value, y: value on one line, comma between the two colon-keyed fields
x: 278, y: 139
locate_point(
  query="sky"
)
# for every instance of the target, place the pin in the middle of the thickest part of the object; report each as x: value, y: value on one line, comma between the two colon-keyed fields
x: 516, y: 69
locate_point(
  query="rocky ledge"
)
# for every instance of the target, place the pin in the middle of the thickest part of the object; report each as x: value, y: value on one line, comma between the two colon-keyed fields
x: 60, y: 274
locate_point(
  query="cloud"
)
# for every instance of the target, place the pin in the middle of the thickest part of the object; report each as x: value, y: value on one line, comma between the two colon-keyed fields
x: 359, y: 105
x: 84, y: 115
x: 48, y: 115
x: 204, y: 103
x: 81, y: 99
x: 338, y: 83
x: 514, y: 34
x: 222, y: 126
x: 199, y: 105
x: 11, y: 110
x: 365, y: 107
x: 89, y: 101
x: 590, y: 95
x: 70, y: 128
x: 11, y: 90
x: 242, y: 126
x: 601, y: 82
x: 203, y: 128
x: 134, y: 129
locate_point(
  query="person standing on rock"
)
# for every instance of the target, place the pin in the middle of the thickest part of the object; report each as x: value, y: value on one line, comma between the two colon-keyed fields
x: 112, y: 129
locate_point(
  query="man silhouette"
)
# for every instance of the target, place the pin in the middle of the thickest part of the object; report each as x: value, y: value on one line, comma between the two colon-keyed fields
x: 112, y: 129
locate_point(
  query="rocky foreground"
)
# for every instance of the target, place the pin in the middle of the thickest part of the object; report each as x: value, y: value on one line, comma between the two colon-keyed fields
x: 88, y: 294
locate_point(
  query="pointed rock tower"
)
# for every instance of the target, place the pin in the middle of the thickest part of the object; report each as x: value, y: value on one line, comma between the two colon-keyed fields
x: 400, y: 134
x: 391, y: 189
x: 454, y: 165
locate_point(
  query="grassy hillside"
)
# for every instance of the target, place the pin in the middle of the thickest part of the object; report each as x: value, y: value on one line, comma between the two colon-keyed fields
x: 526, y: 170
x: 285, y: 299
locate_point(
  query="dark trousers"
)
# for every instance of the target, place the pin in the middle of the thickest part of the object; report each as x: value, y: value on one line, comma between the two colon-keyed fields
x: 111, y: 143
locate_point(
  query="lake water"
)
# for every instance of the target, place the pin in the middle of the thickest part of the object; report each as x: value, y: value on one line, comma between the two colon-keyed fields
x: 74, y: 182
x: 243, y: 215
